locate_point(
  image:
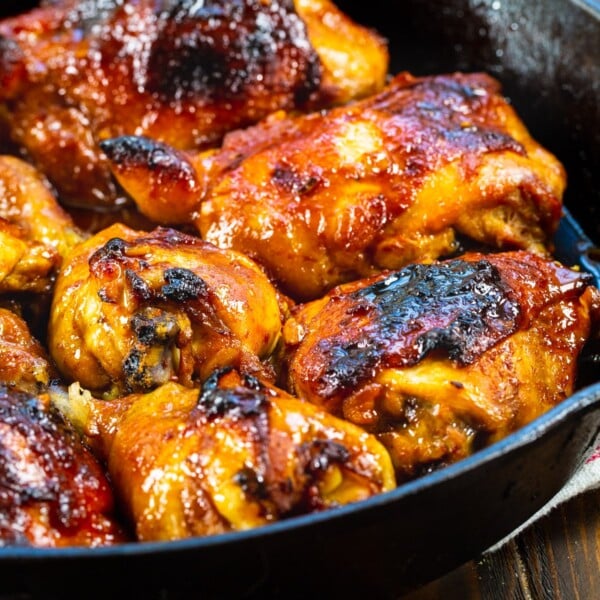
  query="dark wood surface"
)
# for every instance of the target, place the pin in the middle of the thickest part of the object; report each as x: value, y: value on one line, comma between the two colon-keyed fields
x: 556, y: 558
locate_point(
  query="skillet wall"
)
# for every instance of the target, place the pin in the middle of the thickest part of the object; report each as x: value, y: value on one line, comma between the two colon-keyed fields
x: 546, y: 54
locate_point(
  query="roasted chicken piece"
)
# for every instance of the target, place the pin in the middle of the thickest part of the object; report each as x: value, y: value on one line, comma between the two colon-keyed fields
x: 440, y: 359
x: 24, y: 363
x: 132, y: 310
x: 237, y: 454
x: 35, y: 232
x: 329, y: 197
x: 53, y: 491
x: 185, y: 72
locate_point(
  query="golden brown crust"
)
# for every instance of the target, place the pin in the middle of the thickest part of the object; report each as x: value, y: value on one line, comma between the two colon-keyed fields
x: 133, y: 310
x: 328, y: 197
x: 24, y: 363
x: 53, y: 492
x: 179, y: 71
x: 404, y: 371
x: 393, y: 179
x: 354, y: 59
x: 239, y: 453
x: 35, y: 232
x: 436, y: 358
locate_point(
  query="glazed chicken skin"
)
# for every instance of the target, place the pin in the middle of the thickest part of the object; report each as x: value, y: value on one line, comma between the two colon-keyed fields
x: 24, y: 363
x: 35, y: 232
x: 53, y: 492
x: 440, y: 359
x: 237, y: 454
x: 132, y: 310
x: 73, y: 73
x: 329, y: 197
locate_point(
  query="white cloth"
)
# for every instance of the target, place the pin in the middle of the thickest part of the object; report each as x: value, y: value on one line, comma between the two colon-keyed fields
x: 587, y: 477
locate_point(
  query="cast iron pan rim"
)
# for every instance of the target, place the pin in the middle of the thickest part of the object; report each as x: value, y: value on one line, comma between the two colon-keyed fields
x: 592, y: 5
x: 574, y: 407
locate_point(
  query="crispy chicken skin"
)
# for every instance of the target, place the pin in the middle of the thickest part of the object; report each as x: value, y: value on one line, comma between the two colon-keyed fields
x: 239, y: 453
x: 354, y: 59
x: 132, y: 310
x: 24, y: 363
x: 75, y: 72
x: 324, y: 198
x: 439, y: 359
x: 35, y: 232
x: 53, y: 491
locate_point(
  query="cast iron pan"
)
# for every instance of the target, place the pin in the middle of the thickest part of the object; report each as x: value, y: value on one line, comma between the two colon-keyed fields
x: 547, y: 55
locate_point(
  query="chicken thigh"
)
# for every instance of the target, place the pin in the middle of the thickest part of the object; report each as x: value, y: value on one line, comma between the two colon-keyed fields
x: 440, y: 359
x: 239, y: 453
x: 24, y: 363
x: 53, y: 491
x: 132, y: 310
x: 185, y: 72
x: 324, y: 198
x: 35, y: 232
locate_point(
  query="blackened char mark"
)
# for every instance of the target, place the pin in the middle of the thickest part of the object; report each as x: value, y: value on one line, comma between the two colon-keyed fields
x: 153, y: 326
x: 458, y: 308
x: 252, y: 484
x: 140, y: 288
x: 139, y: 152
x: 244, y: 408
x: 106, y: 264
x: 288, y: 179
x: 22, y: 413
x: 114, y: 249
x: 136, y: 373
x: 318, y: 455
x: 315, y: 458
x: 220, y: 50
x: 239, y: 402
x: 480, y: 140
x: 183, y: 285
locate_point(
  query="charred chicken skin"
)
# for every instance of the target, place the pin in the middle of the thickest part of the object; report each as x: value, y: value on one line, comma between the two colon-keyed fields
x: 324, y: 198
x: 35, y: 232
x: 237, y: 454
x: 439, y: 359
x: 53, y: 491
x: 73, y: 73
x: 133, y: 310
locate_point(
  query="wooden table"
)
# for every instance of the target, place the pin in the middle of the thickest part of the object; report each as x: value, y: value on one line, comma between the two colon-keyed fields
x: 557, y: 558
